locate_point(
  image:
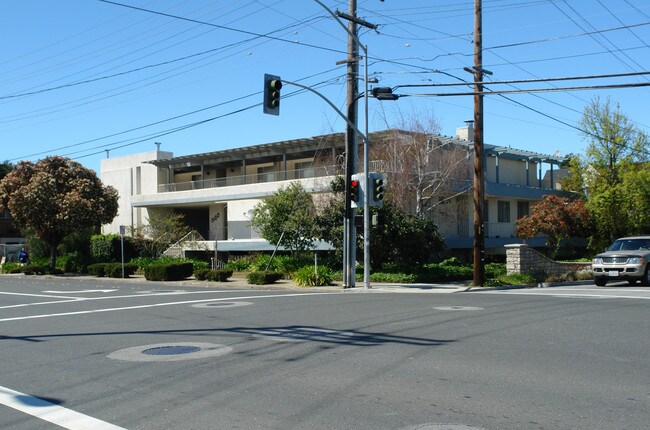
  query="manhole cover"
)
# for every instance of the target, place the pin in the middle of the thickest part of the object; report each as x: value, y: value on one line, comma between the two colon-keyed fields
x: 443, y: 427
x: 457, y: 308
x: 221, y: 304
x: 176, y: 351
x: 171, y: 350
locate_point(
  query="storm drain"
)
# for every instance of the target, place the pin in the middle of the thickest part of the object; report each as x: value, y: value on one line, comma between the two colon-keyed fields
x: 458, y: 308
x: 176, y: 351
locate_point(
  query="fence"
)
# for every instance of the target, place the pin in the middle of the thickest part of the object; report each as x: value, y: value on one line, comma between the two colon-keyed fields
x: 9, y: 253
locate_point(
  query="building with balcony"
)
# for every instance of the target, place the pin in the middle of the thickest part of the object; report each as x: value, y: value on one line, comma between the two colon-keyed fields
x: 216, y: 191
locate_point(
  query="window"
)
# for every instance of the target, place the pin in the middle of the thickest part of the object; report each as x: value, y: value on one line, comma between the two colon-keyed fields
x: 503, y: 208
x: 304, y: 170
x: 266, y: 174
x: 523, y: 209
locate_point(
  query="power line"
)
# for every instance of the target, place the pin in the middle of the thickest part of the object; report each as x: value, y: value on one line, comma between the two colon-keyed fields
x: 223, y: 27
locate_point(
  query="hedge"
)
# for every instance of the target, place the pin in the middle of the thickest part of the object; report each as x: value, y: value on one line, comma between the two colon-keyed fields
x: 262, y: 278
x: 168, y: 272
x: 112, y: 270
x: 218, y: 275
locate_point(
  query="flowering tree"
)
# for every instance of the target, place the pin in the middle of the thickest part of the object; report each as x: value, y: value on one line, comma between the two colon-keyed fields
x: 55, y: 197
x: 557, y: 218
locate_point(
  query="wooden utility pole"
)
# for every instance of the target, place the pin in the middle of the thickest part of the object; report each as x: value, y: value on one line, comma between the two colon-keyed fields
x: 479, y: 230
x: 351, y: 151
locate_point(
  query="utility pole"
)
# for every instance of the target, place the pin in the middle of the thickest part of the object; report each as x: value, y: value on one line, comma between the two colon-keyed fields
x: 479, y: 230
x: 351, y: 151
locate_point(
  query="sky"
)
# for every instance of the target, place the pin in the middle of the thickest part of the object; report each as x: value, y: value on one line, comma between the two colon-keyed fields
x: 88, y: 79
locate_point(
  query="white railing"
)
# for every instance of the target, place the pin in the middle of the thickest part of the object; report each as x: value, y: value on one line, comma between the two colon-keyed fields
x: 176, y: 250
x: 499, y: 229
x: 312, y: 172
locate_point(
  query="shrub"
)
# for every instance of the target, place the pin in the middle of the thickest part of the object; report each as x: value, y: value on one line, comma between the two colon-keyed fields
x: 97, y: 269
x: 401, y: 278
x: 218, y: 275
x: 308, y: 277
x: 516, y: 279
x: 201, y: 274
x: 262, y: 278
x: 144, y: 262
x: 168, y: 272
x: 11, y: 268
x: 41, y: 269
x: 114, y: 270
x: 239, y: 265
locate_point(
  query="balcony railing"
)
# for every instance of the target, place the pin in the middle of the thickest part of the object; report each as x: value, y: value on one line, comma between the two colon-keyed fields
x: 289, y: 175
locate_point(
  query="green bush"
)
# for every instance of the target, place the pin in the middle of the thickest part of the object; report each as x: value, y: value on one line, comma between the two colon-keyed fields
x: 308, y: 277
x: 239, y: 265
x: 168, y: 272
x: 114, y: 270
x: 400, y: 278
x: 494, y: 270
x: 201, y: 274
x: 217, y: 275
x: 516, y: 279
x: 11, y: 268
x: 97, y: 269
x: 262, y: 278
x: 41, y: 269
x: 144, y: 262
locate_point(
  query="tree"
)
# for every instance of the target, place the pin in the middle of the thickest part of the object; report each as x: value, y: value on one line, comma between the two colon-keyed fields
x: 286, y: 218
x: 612, y: 174
x: 5, y: 168
x: 163, y: 230
x: 391, y: 241
x: 424, y: 173
x: 55, y: 197
x: 557, y: 218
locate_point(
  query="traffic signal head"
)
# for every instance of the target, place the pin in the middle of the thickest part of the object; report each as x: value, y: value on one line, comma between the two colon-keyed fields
x: 272, y: 87
x: 356, y: 191
x: 377, y: 185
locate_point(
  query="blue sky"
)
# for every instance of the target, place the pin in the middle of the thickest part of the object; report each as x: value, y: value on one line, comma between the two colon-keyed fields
x: 83, y: 76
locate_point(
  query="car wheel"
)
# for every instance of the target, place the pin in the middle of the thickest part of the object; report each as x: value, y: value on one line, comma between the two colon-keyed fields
x: 646, y: 276
x: 600, y: 281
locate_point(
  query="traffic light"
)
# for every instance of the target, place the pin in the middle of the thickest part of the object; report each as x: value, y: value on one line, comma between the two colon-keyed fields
x: 356, y: 191
x: 272, y: 87
x: 377, y: 186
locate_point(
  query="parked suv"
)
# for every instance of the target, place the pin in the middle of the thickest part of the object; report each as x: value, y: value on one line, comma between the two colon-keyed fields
x: 628, y: 259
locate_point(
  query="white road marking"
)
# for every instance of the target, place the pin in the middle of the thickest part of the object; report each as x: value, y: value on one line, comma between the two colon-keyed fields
x: 6, y: 293
x: 574, y: 295
x: 82, y: 299
x: 155, y: 305
x: 53, y: 413
x: 80, y: 291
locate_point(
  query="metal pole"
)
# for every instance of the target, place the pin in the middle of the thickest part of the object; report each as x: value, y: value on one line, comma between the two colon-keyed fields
x: 366, y: 200
x: 479, y: 231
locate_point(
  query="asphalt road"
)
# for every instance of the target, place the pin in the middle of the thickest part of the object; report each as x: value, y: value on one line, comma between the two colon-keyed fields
x: 92, y: 354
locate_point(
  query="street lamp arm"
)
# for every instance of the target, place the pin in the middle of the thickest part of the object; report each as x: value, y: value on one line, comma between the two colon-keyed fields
x: 341, y: 114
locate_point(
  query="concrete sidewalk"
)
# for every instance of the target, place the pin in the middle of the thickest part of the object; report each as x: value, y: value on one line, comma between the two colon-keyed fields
x: 239, y: 282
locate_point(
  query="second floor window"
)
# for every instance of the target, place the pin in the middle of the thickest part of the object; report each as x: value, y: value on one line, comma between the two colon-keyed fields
x: 523, y: 209
x: 304, y: 170
x: 503, y: 208
x: 266, y: 174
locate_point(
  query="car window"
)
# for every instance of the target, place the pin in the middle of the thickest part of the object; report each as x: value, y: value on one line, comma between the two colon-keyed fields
x: 629, y: 245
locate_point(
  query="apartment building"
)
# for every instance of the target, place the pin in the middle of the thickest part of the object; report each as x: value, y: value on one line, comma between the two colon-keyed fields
x: 216, y: 191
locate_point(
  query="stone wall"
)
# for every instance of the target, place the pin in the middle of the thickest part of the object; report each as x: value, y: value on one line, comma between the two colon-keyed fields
x: 522, y: 259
